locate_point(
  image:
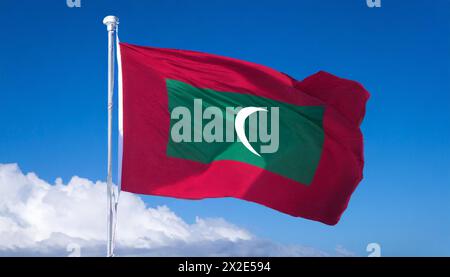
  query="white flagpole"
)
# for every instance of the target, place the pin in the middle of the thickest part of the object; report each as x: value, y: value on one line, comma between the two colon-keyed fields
x: 111, y: 23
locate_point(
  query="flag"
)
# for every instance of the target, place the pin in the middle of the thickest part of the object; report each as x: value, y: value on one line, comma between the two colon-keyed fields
x: 198, y: 125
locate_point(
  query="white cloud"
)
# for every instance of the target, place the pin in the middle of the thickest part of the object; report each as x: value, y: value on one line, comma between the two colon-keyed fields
x: 341, y: 251
x: 38, y: 218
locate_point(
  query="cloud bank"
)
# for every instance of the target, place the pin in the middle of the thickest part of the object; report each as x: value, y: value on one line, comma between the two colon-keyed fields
x: 42, y: 219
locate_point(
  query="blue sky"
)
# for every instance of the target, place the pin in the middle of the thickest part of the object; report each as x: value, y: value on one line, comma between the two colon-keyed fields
x: 53, y: 100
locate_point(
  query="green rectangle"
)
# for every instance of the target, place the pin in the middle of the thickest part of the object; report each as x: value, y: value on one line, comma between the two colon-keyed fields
x: 301, y: 134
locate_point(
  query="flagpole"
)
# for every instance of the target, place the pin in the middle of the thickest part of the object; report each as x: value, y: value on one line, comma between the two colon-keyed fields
x: 111, y: 23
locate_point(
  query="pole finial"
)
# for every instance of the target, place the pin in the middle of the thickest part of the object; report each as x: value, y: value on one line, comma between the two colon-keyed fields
x: 111, y: 22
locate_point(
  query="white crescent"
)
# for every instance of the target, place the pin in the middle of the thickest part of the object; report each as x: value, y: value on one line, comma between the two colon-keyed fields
x: 239, y: 124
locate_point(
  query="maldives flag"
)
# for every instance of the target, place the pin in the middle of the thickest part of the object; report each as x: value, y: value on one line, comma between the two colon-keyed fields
x: 198, y: 125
